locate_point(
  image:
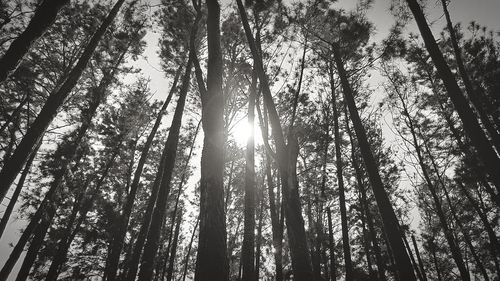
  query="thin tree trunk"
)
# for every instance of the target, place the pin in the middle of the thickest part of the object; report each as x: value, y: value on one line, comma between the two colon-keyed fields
x: 42, y: 229
x: 188, y: 253
x: 277, y: 231
x: 455, y: 250
x: 17, y: 191
x: 301, y: 260
x: 49, y: 111
x: 471, y: 126
x: 258, y: 250
x: 212, y: 262
x: 331, y: 244
x: 44, y: 17
x: 410, y: 253
x: 472, y: 94
x: 420, y: 263
x: 16, y: 111
x: 389, y: 219
x: 122, y: 223
x: 173, y: 250
x: 340, y: 181
x: 248, y: 247
x: 364, y: 204
x: 151, y: 247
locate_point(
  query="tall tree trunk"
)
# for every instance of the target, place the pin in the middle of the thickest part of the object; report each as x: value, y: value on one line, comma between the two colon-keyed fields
x: 17, y: 191
x: 301, y: 260
x: 173, y: 250
x: 123, y: 220
x: 248, y: 248
x: 44, y: 17
x: 151, y: 247
x: 43, y: 227
x: 212, y: 262
x: 389, y: 219
x: 432, y: 248
x: 277, y: 231
x: 420, y: 263
x: 10, y: 118
x: 49, y: 111
x: 258, y: 246
x: 471, y: 92
x: 364, y: 204
x: 331, y: 244
x: 472, y: 128
x: 410, y: 253
x: 340, y: 181
x: 455, y: 250
x: 188, y: 252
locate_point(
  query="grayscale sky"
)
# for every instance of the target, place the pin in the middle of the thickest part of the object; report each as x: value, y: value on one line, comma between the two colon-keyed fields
x: 485, y: 12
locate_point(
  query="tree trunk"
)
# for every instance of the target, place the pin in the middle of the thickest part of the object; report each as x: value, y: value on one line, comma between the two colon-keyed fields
x: 471, y: 93
x: 389, y: 219
x: 44, y: 17
x: 331, y: 244
x: 410, y: 253
x: 188, y: 252
x: 455, y: 250
x: 49, y: 111
x: 17, y: 191
x: 151, y: 247
x: 420, y: 263
x: 258, y: 250
x: 212, y: 262
x: 173, y: 250
x: 122, y: 223
x: 340, y: 181
x: 364, y: 204
x: 471, y: 126
x: 301, y: 260
x: 248, y: 247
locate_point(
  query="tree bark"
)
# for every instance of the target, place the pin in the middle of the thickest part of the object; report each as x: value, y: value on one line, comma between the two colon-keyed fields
x: 212, y: 262
x: 49, y: 111
x: 44, y: 17
x: 331, y: 244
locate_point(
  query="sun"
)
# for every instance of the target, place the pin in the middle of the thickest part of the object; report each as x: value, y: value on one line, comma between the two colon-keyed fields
x: 241, y: 132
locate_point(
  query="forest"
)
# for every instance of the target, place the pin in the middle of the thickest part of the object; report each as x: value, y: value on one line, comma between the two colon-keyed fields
x: 273, y: 140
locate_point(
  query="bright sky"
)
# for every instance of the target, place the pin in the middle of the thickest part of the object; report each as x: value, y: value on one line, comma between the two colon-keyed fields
x: 485, y: 12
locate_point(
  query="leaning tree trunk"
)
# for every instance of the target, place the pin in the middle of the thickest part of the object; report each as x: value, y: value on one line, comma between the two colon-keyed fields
x: 340, y: 181
x: 469, y: 88
x: 44, y: 17
x: 248, y: 251
x: 173, y: 250
x: 455, y: 249
x: 188, y: 252
x: 212, y: 262
x: 17, y: 191
x: 389, y: 219
x: 49, y: 111
x: 301, y: 260
x: 471, y: 126
x: 420, y: 263
x: 365, y: 205
x: 123, y: 220
x: 151, y: 247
